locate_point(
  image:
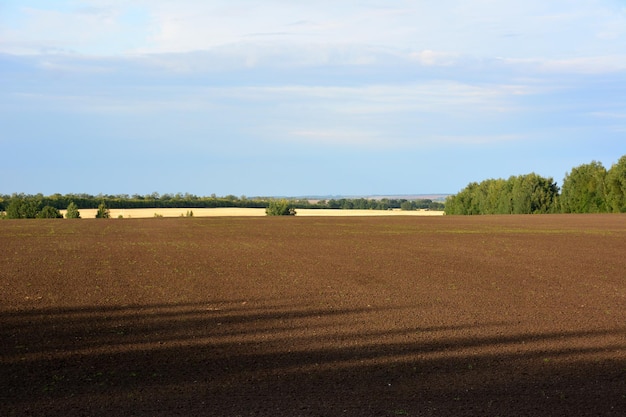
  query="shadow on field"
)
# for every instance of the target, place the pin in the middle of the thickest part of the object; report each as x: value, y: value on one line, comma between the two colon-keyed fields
x: 234, y: 358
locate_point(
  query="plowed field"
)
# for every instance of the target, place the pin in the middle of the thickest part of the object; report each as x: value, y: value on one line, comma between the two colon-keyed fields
x: 416, y: 316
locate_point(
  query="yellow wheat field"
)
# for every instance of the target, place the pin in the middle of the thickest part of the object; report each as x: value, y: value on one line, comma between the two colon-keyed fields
x: 245, y: 212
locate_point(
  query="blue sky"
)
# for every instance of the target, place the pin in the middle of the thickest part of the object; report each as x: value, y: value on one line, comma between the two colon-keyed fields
x: 297, y: 98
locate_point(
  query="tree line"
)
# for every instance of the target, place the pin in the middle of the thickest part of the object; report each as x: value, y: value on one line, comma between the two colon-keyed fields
x: 588, y: 188
x: 40, y: 206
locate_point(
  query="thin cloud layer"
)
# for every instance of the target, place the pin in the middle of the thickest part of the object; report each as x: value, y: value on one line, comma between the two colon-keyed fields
x: 470, y: 85
x: 531, y: 29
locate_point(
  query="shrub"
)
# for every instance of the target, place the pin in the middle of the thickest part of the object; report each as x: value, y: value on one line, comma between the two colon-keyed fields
x: 280, y: 208
x: 103, y: 212
x: 49, y: 212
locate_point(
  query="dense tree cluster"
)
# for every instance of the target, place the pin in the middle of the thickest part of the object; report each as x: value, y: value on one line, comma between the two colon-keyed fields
x: 524, y: 194
x: 31, y: 205
x: 380, y: 204
x: 29, y: 208
x: 589, y: 188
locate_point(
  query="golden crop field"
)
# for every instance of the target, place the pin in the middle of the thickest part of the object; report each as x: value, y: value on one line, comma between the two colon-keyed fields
x: 245, y: 212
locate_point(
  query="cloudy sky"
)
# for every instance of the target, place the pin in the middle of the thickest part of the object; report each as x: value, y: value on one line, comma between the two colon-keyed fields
x: 294, y: 97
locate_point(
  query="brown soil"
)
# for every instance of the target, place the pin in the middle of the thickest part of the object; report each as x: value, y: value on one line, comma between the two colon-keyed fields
x: 417, y: 316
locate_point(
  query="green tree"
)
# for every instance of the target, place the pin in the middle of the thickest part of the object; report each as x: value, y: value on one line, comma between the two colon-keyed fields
x: 280, y: 208
x: 493, y: 196
x: 14, y: 209
x: 49, y: 212
x: 436, y: 205
x: 533, y: 194
x: 103, y: 212
x: 524, y: 194
x: 23, y: 208
x: 616, y: 186
x: 72, y: 211
x: 407, y: 206
x: 584, y: 189
x: 465, y: 202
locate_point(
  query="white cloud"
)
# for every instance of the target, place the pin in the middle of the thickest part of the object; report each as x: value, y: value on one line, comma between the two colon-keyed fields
x: 432, y: 58
x: 338, y: 137
x: 616, y: 119
x: 468, y: 140
x: 587, y: 65
x: 558, y: 29
x: 378, y: 115
x: 72, y: 27
x: 209, y: 25
x: 332, y: 73
x: 599, y: 64
x: 383, y: 116
x: 610, y: 115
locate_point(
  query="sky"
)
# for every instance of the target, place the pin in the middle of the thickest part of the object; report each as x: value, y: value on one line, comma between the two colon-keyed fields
x: 301, y: 98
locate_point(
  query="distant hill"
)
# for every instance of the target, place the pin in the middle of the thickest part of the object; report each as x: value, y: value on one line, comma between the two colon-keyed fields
x: 433, y: 197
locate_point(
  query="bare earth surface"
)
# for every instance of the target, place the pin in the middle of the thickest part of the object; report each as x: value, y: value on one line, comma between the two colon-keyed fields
x: 343, y: 316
